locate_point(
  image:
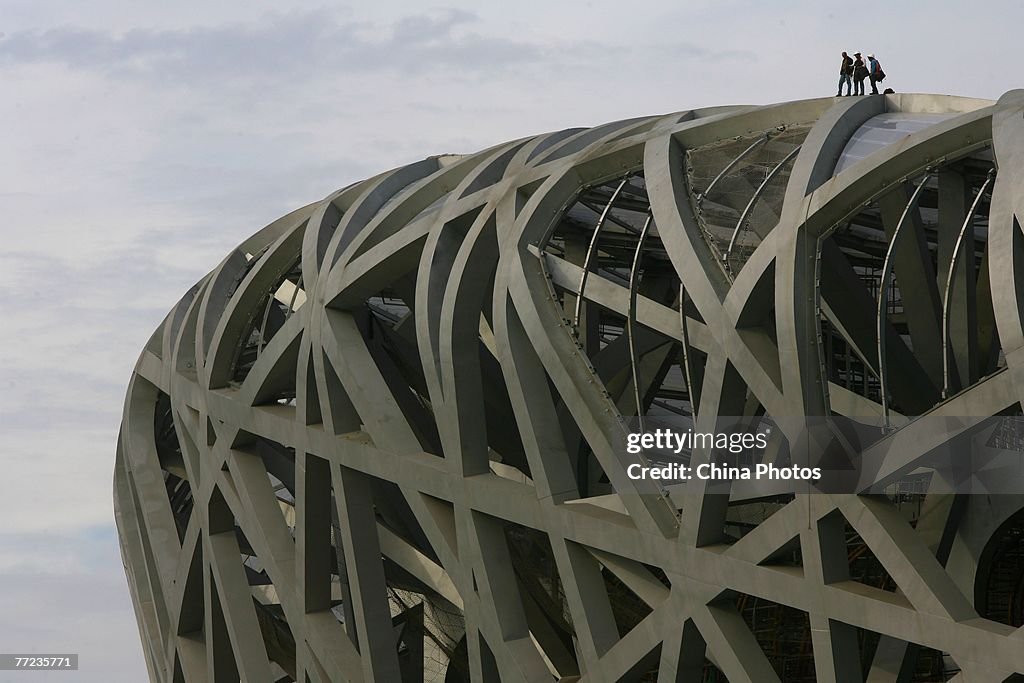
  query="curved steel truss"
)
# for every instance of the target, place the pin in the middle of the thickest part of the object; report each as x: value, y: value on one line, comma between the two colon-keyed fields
x: 379, y: 441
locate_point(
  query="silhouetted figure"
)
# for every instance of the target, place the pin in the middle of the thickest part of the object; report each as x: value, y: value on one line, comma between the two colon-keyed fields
x: 875, y: 73
x: 860, y: 72
x: 845, y: 73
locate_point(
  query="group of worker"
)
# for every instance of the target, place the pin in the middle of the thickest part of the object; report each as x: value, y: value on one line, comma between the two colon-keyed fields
x: 856, y: 69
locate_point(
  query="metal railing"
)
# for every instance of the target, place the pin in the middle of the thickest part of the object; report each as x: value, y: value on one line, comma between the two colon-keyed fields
x: 883, y: 297
x: 732, y: 164
x: 591, y: 250
x: 634, y: 283
x: 947, y: 299
x: 753, y: 200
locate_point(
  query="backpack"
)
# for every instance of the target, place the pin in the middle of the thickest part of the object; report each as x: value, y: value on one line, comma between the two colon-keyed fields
x: 879, y: 74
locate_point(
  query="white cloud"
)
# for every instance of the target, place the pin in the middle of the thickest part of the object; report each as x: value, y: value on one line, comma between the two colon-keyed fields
x: 68, y: 595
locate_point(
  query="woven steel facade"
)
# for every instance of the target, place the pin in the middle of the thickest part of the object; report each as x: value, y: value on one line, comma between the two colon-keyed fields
x: 380, y: 441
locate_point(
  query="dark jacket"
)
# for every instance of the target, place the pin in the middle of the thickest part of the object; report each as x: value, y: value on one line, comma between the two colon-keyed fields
x: 860, y: 72
x: 846, y: 66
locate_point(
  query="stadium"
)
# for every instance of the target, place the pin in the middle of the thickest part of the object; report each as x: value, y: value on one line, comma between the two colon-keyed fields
x: 383, y: 439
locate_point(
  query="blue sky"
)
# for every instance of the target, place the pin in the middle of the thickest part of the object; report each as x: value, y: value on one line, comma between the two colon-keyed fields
x: 142, y: 141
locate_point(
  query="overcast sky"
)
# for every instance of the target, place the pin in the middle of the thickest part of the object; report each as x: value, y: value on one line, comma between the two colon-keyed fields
x: 141, y: 141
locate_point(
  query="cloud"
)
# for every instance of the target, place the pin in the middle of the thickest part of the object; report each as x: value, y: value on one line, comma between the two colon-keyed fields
x: 302, y: 47
x: 275, y: 46
x: 66, y: 593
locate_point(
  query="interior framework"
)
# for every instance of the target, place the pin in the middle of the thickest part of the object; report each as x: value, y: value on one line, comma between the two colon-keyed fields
x: 380, y: 440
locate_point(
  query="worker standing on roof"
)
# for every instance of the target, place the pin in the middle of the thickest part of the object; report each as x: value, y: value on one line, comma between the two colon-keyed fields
x: 860, y: 72
x: 875, y: 73
x: 845, y: 72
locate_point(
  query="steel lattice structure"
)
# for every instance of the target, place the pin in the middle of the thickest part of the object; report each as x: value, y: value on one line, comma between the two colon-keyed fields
x: 380, y: 440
